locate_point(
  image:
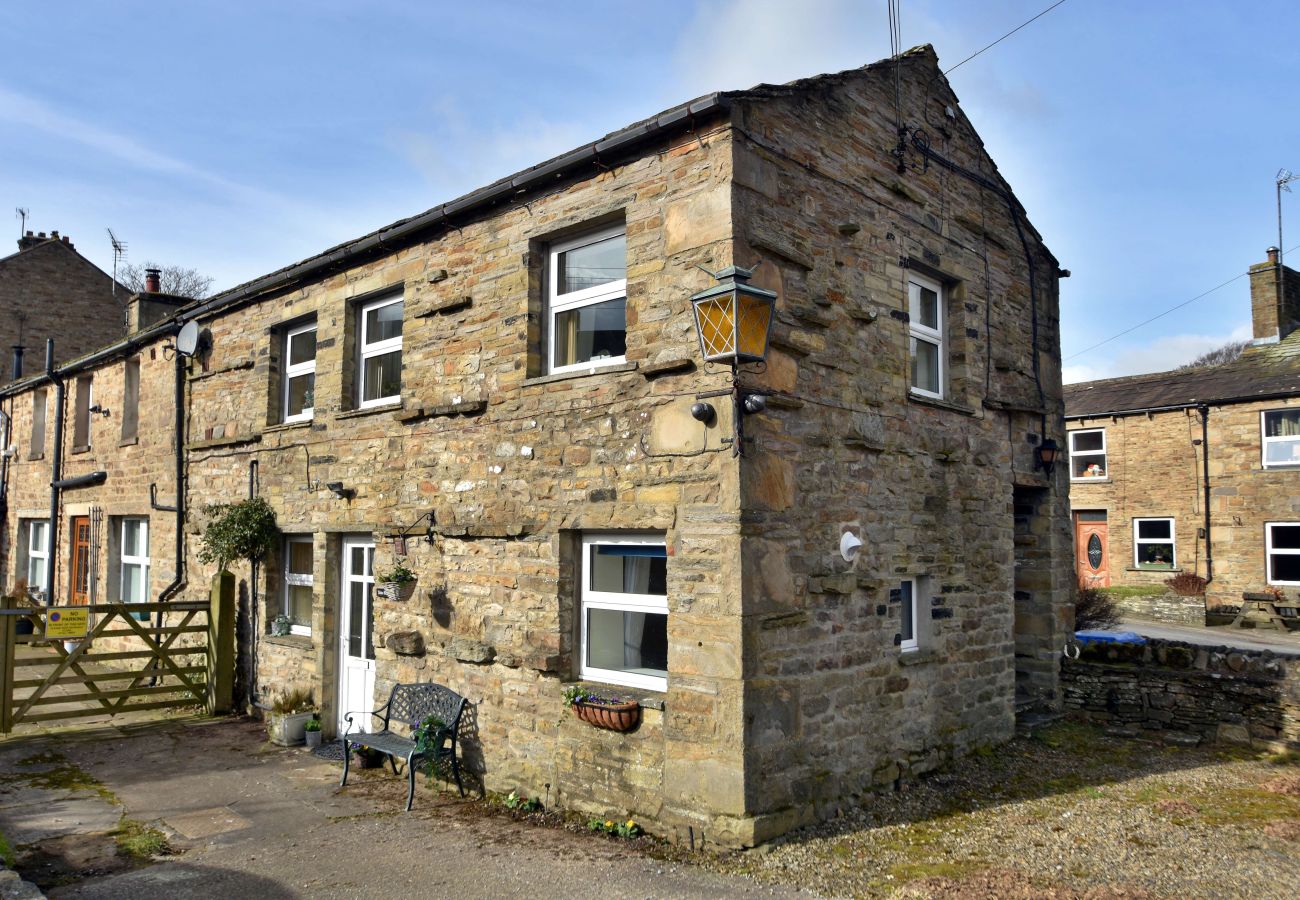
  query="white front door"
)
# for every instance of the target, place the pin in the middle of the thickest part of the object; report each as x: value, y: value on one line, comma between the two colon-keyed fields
x: 356, y: 635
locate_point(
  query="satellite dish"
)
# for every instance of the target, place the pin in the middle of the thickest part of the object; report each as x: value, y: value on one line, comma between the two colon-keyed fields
x: 187, y: 341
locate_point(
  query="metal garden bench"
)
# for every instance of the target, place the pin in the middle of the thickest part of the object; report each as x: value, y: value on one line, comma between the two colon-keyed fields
x: 410, y: 705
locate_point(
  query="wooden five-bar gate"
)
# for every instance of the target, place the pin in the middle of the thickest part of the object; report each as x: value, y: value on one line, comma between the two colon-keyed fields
x: 46, y: 677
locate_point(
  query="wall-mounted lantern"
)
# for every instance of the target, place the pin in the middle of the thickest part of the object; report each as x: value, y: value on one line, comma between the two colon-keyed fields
x: 733, y: 320
x: 1045, y: 456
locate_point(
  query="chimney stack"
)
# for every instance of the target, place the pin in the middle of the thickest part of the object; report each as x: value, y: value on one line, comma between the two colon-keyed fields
x: 152, y: 281
x: 29, y: 240
x: 1274, y: 299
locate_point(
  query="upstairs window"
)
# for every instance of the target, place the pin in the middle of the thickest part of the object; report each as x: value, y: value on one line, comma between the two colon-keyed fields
x: 1153, y: 543
x: 1282, y: 552
x: 926, y: 335
x: 1281, y: 437
x: 81, y: 419
x: 380, y: 352
x: 587, y: 301
x: 300, y: 373
x: 130, y: 399
x: 1088, y: 455
x: 625, y: 610
x: 37, y: 449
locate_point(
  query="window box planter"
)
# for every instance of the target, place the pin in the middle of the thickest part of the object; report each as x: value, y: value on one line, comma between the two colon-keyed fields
x: 620, y: 715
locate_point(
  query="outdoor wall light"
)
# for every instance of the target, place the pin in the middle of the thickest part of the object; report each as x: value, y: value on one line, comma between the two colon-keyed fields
x: 102, y: 410
x: 703, y: 412
x: 733, y: 320
x: 1045, y: 456
x: 338, y: 490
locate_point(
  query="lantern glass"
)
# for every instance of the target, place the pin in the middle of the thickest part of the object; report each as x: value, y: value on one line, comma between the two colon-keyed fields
x: 734, y: 326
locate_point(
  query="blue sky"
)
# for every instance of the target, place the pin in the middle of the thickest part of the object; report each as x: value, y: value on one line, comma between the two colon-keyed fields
x: 237, y: 137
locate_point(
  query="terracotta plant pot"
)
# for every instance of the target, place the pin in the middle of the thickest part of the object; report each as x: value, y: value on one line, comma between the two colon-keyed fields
x: 612, y: 717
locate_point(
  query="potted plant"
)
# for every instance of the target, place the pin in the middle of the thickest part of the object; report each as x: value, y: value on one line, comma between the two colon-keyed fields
x: 311, y: 730
x: 287, y: 722
x: 610, y: 713
x: 397, y: 584
x: 367, y: 758
x: 281, y: 625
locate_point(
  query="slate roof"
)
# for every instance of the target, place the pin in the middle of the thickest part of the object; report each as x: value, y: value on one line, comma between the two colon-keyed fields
x: 1266, y: 371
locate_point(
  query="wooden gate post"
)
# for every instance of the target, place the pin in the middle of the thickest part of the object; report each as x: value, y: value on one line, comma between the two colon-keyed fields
x: 221, y: 645
x: 8, y: 628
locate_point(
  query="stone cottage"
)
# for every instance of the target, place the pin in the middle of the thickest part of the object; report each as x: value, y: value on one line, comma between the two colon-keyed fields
x: 1194, y: 470
x: 506, y: 395
x: 49, y: 290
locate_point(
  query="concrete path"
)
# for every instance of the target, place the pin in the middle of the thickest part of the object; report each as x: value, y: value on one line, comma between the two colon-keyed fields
x: 257, y: 821
x: 1219, y: 636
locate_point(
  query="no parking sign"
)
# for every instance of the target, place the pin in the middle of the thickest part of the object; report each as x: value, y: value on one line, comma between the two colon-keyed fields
x: 66, y: 622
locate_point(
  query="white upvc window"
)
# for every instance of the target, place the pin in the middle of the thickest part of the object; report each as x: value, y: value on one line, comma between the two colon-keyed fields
x: 1153, y: 544
x: 909, y: 613
x: 298, y: 583
x: 586, y: 315
x: 624, y: 610
x: 1088, y: 454
x: 926, y: 335
x: 380, y: 377
x: 300, y: 373
x: 1280, y: 437
x: 134, y: 560
x: 1282, y: 552
x: 38, y: 554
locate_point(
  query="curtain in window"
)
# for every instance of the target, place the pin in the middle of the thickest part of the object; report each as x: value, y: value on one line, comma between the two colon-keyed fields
x: 636, y: 580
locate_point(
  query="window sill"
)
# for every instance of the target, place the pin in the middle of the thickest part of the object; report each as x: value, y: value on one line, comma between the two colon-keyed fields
x: 646, y: 699
x: 581, y: 373
x: 1282, y: 467
x: 36, y: 458
x: 369, y: 411
x: 918, y: 657
x: 85, y: 449
x: 128, y: 442
x: 297, y: 641
x: 287, y: 426
x: 1171, y: 571
x: 1091, y: 480
x: 940, y: 404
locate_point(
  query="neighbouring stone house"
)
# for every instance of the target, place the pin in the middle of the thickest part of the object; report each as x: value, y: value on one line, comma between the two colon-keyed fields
x: 49, y: 290
x: 503, y: 386
x: 1195, y: 470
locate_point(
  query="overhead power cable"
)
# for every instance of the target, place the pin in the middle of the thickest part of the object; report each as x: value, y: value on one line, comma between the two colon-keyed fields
x: 1004, y: 37
x: 1161, y: 315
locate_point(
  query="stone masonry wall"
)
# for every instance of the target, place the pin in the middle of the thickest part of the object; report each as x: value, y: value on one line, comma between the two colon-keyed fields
x: 52, y: 291
x: 514, y: 464
x: 832, y: 707
x: 1167, y: 607
x: 1188, y: 693
x: 1154, y: 470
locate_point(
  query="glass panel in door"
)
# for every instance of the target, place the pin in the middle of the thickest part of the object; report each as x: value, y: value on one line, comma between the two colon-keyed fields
x: 356, y: 642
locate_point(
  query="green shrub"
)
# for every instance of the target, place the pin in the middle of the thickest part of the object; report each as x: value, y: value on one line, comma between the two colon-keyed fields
x: 243, y: 530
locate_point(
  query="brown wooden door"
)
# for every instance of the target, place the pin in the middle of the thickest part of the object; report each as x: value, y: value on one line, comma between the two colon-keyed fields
x: 1091, y: 556
x: 80, y: 568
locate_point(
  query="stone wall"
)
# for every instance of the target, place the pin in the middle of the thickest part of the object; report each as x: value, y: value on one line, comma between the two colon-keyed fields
x: 1188, y: 693
x: 1154, y: 470
x: 932, y: 488
x: 1167, y: 607
x: 51, y: 291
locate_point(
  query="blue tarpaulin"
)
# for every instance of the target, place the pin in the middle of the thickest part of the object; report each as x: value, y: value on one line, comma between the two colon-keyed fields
x: 1109, y: 637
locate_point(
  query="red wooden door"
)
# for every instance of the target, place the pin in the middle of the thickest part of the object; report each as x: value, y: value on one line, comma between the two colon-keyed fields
x: 1091, y: 557
x: 80, y: 568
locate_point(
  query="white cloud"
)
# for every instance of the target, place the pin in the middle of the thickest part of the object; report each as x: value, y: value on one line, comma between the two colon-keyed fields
x: 1158, y: 355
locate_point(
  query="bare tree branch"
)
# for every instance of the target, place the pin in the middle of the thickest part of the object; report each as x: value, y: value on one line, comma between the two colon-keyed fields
x: 1218, y: 356
x: 175, y: 280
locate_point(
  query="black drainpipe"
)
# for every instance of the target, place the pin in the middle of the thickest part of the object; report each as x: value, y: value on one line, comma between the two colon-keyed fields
x: 254, y: 471
x: 178, y: 449
x: 1205, y: 468
x: 56, y: 469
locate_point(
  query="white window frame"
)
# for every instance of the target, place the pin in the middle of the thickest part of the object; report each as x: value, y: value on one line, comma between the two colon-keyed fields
x: 367, y: 350
x: 912, y: 644
x: 295, y: 579
x: 124, y: 560
x: 1264, y: 440
x: 292, y: 371
x: 918, y: 332
x: 1138, y: 542
x: 621, y: 602
x: 41, y: 553
x: 601, y: 293
x: 1269, y: 551
x: 1105, y: 461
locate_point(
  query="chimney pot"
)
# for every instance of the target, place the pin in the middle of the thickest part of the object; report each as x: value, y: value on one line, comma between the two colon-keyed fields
x: 54, y: 235
x: 152, y: 281
x: 1272, y: 255
x: 31, y: 233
